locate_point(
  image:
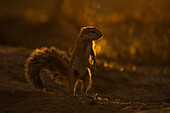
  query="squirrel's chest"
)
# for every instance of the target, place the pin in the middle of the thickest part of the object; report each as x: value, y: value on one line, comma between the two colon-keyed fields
x: 84, y: 52
x: 81, y: 56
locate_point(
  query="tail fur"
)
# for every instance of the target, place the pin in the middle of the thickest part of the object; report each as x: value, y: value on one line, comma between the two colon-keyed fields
x: 52, y: 60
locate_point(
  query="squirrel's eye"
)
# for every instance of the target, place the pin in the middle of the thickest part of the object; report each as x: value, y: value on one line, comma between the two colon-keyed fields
x: 93, y: 32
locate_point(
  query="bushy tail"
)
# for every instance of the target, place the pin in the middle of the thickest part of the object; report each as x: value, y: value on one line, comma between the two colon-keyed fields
x: 51, y: 59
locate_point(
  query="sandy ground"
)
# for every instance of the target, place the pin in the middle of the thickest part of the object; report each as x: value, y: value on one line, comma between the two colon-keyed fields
x: 113, y: 90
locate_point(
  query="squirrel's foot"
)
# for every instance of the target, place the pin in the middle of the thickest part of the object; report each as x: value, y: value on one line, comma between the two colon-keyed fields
x: 74, y: 96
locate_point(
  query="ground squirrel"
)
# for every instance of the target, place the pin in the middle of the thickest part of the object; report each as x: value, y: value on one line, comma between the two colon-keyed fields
x: 83, y: 59
x: 65, y: 70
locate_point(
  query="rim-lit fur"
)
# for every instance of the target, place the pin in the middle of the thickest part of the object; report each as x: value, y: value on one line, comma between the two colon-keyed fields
x: 58, y: 64
x: 52, y: 60
x: 80, y: 66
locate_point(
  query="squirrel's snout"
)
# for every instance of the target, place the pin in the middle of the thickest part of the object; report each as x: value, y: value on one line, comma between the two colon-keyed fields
x: 101, y: 35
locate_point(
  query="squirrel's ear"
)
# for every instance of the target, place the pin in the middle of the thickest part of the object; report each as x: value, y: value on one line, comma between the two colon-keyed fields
x: 84, y: 30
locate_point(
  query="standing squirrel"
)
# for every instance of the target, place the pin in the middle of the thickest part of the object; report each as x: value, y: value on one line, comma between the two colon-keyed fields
x: 63, y: 69
x: 83, y: 59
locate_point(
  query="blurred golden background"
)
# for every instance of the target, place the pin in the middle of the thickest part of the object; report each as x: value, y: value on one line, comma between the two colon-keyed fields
x: 136, y: 32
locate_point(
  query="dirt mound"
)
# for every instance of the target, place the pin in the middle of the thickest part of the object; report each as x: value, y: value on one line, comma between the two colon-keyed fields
x: 113, y: 90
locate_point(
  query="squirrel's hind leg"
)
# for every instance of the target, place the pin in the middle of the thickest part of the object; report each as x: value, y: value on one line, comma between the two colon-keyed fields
x: 72, y: 82
x: 86, y: 83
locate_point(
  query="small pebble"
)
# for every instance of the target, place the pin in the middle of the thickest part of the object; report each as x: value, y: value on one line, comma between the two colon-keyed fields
x: 83, y: 102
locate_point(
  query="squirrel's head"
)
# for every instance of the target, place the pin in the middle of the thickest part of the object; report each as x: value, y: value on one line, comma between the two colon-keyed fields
x: 90, y: 33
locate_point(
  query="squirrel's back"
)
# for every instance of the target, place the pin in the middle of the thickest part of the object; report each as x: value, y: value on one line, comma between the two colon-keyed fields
x: 53, y: 60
